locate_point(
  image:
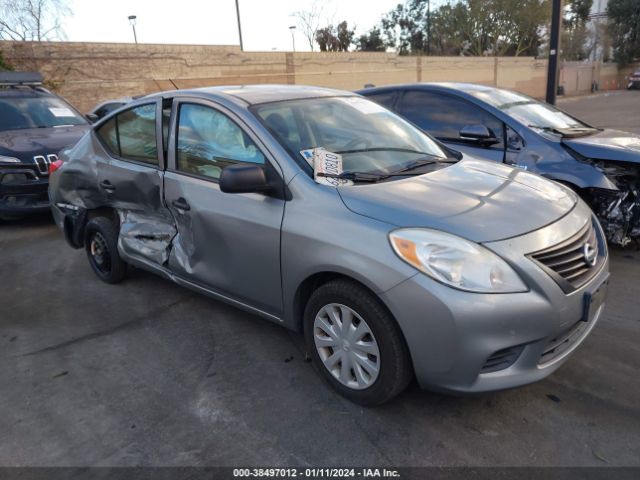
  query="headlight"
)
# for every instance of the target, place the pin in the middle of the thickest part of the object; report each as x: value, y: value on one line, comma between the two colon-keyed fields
x: 455, y: 261
x: 4, y: 159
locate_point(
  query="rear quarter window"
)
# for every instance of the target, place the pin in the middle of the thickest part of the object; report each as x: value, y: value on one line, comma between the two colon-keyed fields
x: 132, y: 134
x: 108, y: 133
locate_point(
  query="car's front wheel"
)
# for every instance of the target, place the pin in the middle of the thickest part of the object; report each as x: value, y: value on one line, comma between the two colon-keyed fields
x: 101, y: 245
x: 355, y: 343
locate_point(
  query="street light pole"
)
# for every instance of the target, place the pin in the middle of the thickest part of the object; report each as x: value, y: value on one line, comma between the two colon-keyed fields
x: 554, y: 52
x: 428, y: 27
x: 132, y: 21
x: 239, y: 25
x: 293, y: 37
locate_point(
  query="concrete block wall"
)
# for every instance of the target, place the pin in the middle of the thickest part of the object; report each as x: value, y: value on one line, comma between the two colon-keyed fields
x: 88, y: 73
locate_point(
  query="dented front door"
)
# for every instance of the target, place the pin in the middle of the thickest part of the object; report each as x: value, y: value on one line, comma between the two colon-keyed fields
x: 229, y: 243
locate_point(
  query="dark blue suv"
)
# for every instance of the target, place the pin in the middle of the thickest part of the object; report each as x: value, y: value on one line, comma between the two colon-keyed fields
x: 35, y: 125
x: 602, y: 165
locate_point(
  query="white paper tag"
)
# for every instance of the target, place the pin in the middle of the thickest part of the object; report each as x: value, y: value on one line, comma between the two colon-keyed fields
x: 61, y: 112
x: 327, y: 162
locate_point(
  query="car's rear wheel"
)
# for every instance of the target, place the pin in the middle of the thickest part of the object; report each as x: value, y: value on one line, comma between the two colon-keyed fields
x: 101, y: 245
x: 355, y: 343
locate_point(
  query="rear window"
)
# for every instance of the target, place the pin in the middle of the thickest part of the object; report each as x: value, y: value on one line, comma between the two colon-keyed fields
x: 132, y: 134
x: 19, y: 113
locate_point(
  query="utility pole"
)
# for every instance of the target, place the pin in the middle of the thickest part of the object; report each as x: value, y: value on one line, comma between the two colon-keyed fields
x: 239, y: 25
x: 554, y: 52
x: 428, y: 27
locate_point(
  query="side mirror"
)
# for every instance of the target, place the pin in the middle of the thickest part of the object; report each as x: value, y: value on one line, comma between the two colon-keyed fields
x: 244, y: 178
x: 478, y: 134
x: 92, y: 117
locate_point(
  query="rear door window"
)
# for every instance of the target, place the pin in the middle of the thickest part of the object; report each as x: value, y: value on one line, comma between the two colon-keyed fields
x: 132, y: 134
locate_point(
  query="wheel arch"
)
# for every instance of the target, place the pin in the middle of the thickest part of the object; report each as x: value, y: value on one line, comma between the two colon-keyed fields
x: 316, y: 280
x: 74, y: 225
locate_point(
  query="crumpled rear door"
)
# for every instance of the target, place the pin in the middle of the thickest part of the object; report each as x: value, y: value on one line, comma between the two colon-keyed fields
x: 134, y: 189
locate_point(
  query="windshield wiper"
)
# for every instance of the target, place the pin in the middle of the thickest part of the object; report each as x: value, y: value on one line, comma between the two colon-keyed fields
x: 355, y: 176
x: 374, y: 177
x: 566, y: 132
x: 421, y: 163
x: 390, y: 149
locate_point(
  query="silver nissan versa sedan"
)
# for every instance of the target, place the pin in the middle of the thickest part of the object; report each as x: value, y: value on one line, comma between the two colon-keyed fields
x: 324, y: 212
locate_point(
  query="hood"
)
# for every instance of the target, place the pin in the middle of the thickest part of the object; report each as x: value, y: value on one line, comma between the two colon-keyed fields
x: 25, y: 144
x: 607, y: 145
x: 475, y: 199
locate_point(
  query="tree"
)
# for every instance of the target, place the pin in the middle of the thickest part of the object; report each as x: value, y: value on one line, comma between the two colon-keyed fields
x: 371, y: 42
x: 4, y: 64
x: 624, y: 26
x: 32, y: 20
x: 576, y: 38
x: 309, y: 21
x: 467, y: 27
x: 345, y: 36
x: 335, y: 39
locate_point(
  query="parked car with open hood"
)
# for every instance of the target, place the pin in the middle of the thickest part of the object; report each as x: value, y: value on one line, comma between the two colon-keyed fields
x: 330, y: 215
x: 634, y: 80
x: 602, y: 165
x: 35, y: 125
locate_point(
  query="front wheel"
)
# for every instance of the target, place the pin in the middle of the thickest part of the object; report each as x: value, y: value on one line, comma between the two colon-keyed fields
x: 101, y: 245
x: 356, y: 344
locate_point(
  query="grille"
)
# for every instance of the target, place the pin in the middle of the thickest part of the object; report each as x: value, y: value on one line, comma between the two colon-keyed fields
x: 43, y: 162
x: 560, y: 344
x: 575, y: 261
x: 501, y: 359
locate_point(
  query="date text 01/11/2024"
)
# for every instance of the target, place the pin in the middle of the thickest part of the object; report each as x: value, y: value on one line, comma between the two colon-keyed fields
x: 316, y: 473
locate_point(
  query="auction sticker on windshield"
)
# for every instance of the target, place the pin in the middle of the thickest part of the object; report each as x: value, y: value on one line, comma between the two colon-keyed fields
x: 325, y: 163
x: 61, y: 112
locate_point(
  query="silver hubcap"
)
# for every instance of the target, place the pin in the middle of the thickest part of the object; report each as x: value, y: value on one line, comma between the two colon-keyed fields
x: 346, y: 346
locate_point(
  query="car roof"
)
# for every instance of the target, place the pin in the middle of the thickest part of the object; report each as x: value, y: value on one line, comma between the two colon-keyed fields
x: 24, y: 92
x: 469, y: 88
x: 255, y: 94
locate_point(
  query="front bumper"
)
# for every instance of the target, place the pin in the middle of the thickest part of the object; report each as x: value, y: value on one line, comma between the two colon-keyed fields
x: 458, y: 339
x: 22, y: 192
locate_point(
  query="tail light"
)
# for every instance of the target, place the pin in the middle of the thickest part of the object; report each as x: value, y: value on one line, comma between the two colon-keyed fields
x: 53, y: 166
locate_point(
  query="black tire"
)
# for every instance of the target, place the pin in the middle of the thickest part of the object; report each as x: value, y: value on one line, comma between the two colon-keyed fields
x: 101, y: 245
x: 395, y: 364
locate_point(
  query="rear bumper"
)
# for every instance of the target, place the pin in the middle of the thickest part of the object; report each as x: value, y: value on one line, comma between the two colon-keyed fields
x: 21, y: 192
x: 71, y: 220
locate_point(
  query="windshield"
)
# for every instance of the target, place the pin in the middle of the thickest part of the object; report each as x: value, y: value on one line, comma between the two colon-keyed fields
x: 529, y: 111
x: 369, y: 137
x: 17, y: 113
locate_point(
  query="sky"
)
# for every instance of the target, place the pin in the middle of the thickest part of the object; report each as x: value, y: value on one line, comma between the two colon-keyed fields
x: 265, y: 23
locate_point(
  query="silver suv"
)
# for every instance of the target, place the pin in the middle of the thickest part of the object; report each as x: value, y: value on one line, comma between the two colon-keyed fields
x: 397, y: 260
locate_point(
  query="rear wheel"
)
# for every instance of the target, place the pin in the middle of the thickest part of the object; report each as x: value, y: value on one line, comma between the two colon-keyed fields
x: 355, y: 343
x: 101, y: 245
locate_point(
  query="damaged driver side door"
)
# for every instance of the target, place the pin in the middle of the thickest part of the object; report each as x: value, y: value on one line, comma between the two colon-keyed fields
x: 227, y: 243
x: 130, y: 181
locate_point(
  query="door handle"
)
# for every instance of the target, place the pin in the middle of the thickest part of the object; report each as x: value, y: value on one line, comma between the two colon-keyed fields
x: 181, y: 204
x: 107, y: 185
